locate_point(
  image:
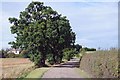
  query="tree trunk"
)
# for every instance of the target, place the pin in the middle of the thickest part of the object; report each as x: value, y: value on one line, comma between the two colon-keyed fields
x: 61, y: 56
x: 54, y: 58
x: 42, y: 60
x: 42, y: 63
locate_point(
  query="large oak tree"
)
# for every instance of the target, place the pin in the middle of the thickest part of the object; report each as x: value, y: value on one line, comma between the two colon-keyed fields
x: 41, y: 31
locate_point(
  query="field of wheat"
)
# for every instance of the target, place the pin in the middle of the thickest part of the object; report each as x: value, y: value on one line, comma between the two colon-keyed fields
x: 14, y: 67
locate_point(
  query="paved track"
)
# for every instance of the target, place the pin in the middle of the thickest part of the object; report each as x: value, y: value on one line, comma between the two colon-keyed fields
x: 66, y: 70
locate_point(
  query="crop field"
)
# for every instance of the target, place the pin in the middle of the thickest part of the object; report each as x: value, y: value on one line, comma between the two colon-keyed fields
x: 14, y: 67
x: 101, y: 64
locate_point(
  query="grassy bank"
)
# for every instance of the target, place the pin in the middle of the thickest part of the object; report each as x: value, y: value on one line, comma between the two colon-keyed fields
x: 37, y: 73
x: 101, y: 64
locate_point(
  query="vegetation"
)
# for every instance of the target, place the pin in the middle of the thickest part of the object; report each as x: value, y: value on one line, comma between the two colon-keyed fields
x: 16, y: 67
x: 42, y: 31
x: 101, y: 64
x: 69, y: 53
x: 37, y: 73
x: 78, y: 47
x: 83, y: 74
x: 45, y: 35
x: 24, y: 54
x: 3, y: 53
x: 88, y: 49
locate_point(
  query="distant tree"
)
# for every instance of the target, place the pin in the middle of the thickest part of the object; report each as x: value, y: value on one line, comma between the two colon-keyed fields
x: 88, y: 49
x: 11, y: 55
x: 69, y: 53
x: 3, y: 53
x: 77, y: 47
x: 85, y: 48
x: 92, y: 49
x: 41, y: 31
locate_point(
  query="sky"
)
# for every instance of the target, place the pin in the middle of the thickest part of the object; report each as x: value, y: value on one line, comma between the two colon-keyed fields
x: 95, y: 23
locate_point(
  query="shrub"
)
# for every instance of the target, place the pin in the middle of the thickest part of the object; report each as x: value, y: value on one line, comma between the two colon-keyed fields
x: 50, y: 59
x: 24, y: 54
x: 88, y: 49
x: 35, y: 57
x: 77, y: 47
x: 3, y: 53
x: 68, y: 53
x: 10, y: 55
x: 18, y: 56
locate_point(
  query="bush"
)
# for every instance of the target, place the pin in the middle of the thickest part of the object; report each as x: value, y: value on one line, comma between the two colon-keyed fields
x: 35, y: 57
x: 18, y: 56
x: 50, y: 59
x: 24, y: 54
x: 68, y: 53
x: 88, y: 49
x: 10, y: 55
x: 3, y: 53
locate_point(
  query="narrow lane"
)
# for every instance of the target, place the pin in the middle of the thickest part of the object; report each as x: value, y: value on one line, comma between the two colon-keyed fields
x: 66, y: 70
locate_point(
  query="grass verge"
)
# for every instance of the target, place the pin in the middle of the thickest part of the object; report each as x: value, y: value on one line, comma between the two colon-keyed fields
x: 25, y: 73
x: 82, y: 73
x: 37, y: 73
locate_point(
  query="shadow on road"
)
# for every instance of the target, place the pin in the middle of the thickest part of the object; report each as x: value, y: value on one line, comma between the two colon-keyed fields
x: 70, y: 64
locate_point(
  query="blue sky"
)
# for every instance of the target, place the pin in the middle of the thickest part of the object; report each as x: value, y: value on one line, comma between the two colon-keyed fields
x: 95, y: 23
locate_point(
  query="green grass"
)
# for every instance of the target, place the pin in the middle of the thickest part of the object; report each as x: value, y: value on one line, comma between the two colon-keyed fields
x: 25, y: 73
x: 37, y: 73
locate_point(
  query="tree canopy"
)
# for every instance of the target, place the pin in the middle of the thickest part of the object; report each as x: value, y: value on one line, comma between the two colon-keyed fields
x: 41, y: 31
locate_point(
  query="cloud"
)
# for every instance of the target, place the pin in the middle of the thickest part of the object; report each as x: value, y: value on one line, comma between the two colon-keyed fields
x: 95, y: 23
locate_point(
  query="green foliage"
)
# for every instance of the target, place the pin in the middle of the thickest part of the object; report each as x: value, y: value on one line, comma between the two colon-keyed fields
x: 24, y: 54
x: 18, y: 56
x: 69, y: 53
x: 41, y: 30
x: 88, y: 49
x: 3, y: 53
x: 77, y: 47
x: 37, y: 73
x: 10, y: 55
x: 35, y: 57
x: 50, y: 59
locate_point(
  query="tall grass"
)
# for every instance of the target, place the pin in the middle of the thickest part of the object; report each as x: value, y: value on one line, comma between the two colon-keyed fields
x: 101, y: 64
